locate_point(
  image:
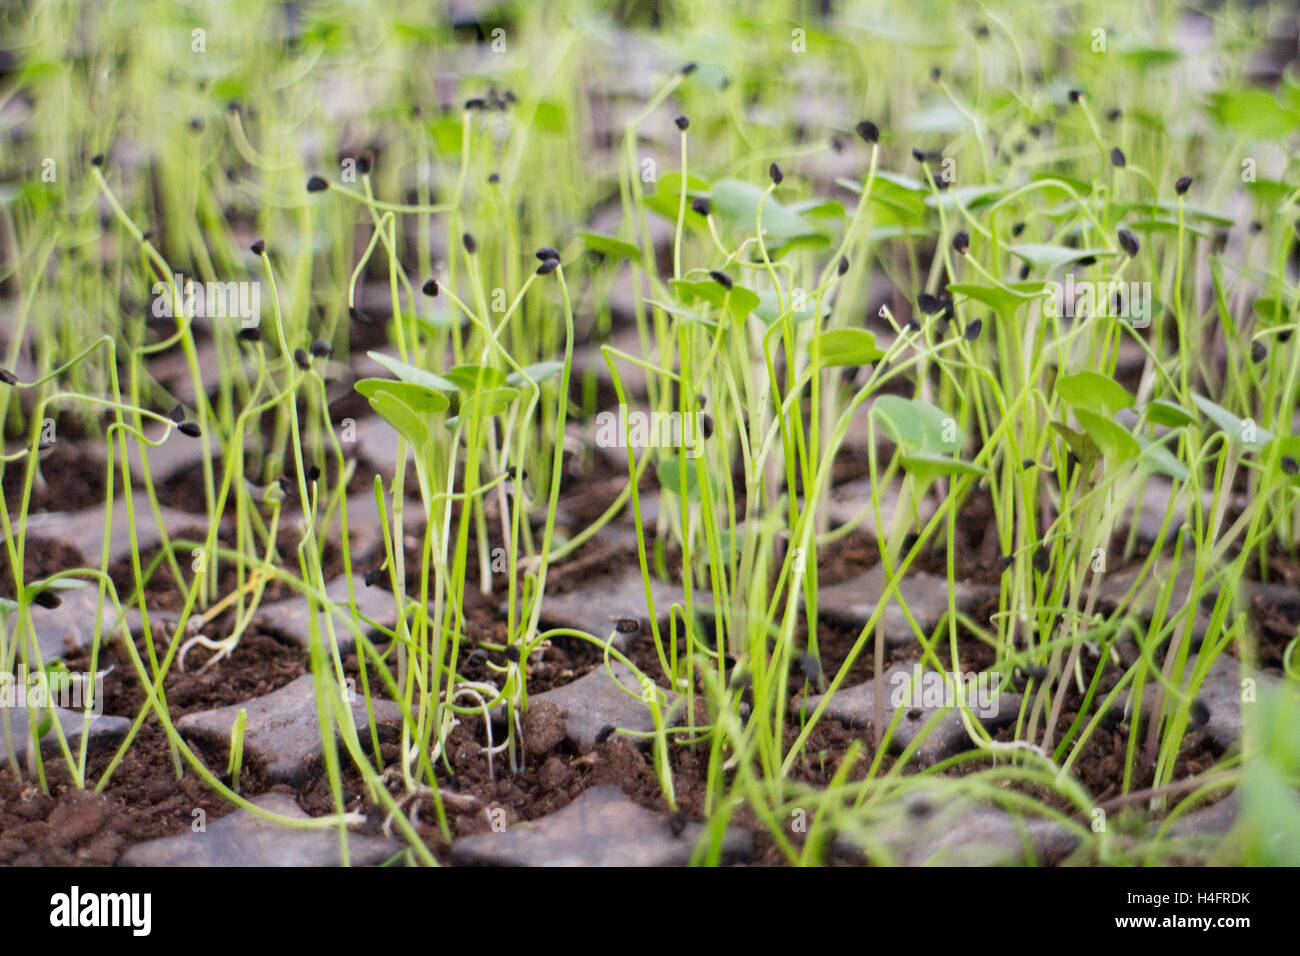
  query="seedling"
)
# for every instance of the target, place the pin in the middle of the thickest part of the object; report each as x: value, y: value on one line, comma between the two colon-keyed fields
x: 1027, y: 353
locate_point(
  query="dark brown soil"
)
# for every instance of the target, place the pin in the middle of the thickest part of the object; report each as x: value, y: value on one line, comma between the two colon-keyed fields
x: 41, y: 558
x: 68, y: 471
x: 145, y: 797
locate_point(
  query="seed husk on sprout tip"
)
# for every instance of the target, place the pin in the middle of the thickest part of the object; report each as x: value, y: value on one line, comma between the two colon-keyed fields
x: 869, y: 131
x: 189, y: 428
x: 961, y: 241
x: 356, y: 315
x: 313, y: 473
x: 843, y: 266
x: 430, y: 287
x: 304, y: 361
x: 97, y: 160
x: 512, y: 653
x: 701, y: 206
x: 1129, y: 242
x: 363, y: 165
x: 548, y: 266
x: 1198, y: 715
x: 775, y: 172
x: 721, y: 278
x: 374, y: 576
x: 682, y: 122
x: 258, y: 247
x: 547, y: 252
x: 47, y: 599
x: 1258, y: 351
x: 1075, y: 95
x: 471, y: 244
x: 604, y: 733
x: 1289, y: 465
x: 317, y: 184
x: 1117, y: 158
x: 320, y: 348
x: 1183, y: 184
x: 809, y: 665
x: 972, y: 330
x: 928, y: 303
x: 1042, y: 560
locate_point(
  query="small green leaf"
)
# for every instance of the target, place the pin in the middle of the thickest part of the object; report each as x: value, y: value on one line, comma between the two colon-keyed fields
x: 1093, y: 391
x: 416, y: 376
x: 686, y: 315
x: 667, y: 198
x: 400, y: 415
x: 742, y: 301
x: 1161, y: 412
x: 735, y: 205
x: 927, y: 467
x: 487, y: 403
x: 1004, y: 299
x: 769, y: 312
x: 902, y: 196
x: 670, y: 476
x: 550, y: 117
x: 1084, y: 448
x: 942, y: 117
x: 446, y: 134
x: 1167, y: 210
x: 1157, y: 458
x: 539, y: 372
x: 1047, y: 258
x: 927, y: 438
x: 1114, y: 442
x: 1149, y: 57
x: 476, y: 378
x: 611, y: 246
x: 819, y: 208
x: 1057, y: 181
x: 1272, y: 310
x: 838, y: 347
x: 420, y: 400
x: 1240, y: 431
x: 967, y: 197
x: 1165, y: 224
x: 1252, y: 112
